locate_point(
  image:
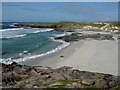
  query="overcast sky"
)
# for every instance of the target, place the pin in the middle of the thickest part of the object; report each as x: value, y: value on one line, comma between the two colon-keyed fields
x: 59, y: 11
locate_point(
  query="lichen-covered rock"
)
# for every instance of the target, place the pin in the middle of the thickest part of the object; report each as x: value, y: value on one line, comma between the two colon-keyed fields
x: 18, y: 76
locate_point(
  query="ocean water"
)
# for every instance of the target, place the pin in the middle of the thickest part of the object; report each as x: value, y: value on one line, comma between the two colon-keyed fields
x: 21, y: 44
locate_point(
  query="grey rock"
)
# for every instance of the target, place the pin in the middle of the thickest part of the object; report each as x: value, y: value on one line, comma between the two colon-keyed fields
x: 18, y: 76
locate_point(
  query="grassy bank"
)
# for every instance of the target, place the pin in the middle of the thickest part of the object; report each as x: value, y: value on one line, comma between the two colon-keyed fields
x: 116, y: 23
x: 76, y: 24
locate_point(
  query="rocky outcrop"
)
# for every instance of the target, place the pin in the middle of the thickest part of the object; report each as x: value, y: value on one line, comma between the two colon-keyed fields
x: 36, y: 25
x: 80, y: 36
x: 21, y: 76
x: 68, y: 38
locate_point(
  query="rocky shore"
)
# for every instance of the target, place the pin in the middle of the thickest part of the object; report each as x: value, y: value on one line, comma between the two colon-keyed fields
x: 22, y: 76
x: 76, y: 28
x: 36, y: 25
x: 81, y: 36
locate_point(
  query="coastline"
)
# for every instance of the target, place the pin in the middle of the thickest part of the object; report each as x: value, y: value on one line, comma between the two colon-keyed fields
x: 48, y: 60
x: 22, y: 76
x: 87, y: 55
x: 87, y: 51
x: 90, y: 60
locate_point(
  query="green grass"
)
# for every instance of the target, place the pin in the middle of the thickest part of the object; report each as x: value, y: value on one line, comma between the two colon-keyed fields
x: 116, y: 23
x: 76, y: 24
x: 65, y: 82
x: 59, y: 86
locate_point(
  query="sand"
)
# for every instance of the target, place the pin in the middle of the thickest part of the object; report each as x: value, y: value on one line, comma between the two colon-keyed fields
x: 96, y: 56
x: 86, y: 55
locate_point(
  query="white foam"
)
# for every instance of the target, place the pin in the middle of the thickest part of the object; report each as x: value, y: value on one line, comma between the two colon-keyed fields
x: 25, y: 51
x: 10, y: 29
x: 63, y: 45
x: 20, y: 32
x: 14, y: 29
x: 43, y: 30
x: 65, y: 33
x: 13, y: 25
x: 59, y: 35
x: 15, y: 36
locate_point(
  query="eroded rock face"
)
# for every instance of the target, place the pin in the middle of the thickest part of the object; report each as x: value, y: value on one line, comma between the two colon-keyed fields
x: 18, y: 76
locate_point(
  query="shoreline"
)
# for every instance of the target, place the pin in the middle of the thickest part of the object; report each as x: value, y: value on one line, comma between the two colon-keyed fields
x: 22, y: 76
x: 84, y: 55
x: 62, y: 45
x: 37, y: 61
x: 88, y: 51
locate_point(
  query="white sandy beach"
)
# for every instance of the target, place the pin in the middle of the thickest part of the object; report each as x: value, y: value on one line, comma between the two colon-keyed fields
x: 88, y: 55
x: 92, y: 55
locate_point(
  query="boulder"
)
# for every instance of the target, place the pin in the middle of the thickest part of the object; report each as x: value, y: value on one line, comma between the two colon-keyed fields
x: 17, y: 76
x: 87, y: 82
x: 33, y: 72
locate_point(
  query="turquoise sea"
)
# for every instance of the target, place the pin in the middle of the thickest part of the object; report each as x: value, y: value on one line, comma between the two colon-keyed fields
x: 20, y: 44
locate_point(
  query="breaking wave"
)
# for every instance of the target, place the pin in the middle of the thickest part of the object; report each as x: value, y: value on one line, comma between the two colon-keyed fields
x: 15, y: 36
x: 10, y: 29
x: 29, y: 56
x: 20, y: 32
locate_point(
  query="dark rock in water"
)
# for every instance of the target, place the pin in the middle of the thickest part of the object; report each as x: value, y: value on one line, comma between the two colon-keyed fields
x: 14, y: 64
x: 18, y: 76
x: 68, y: 38
x: 3, y: 53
